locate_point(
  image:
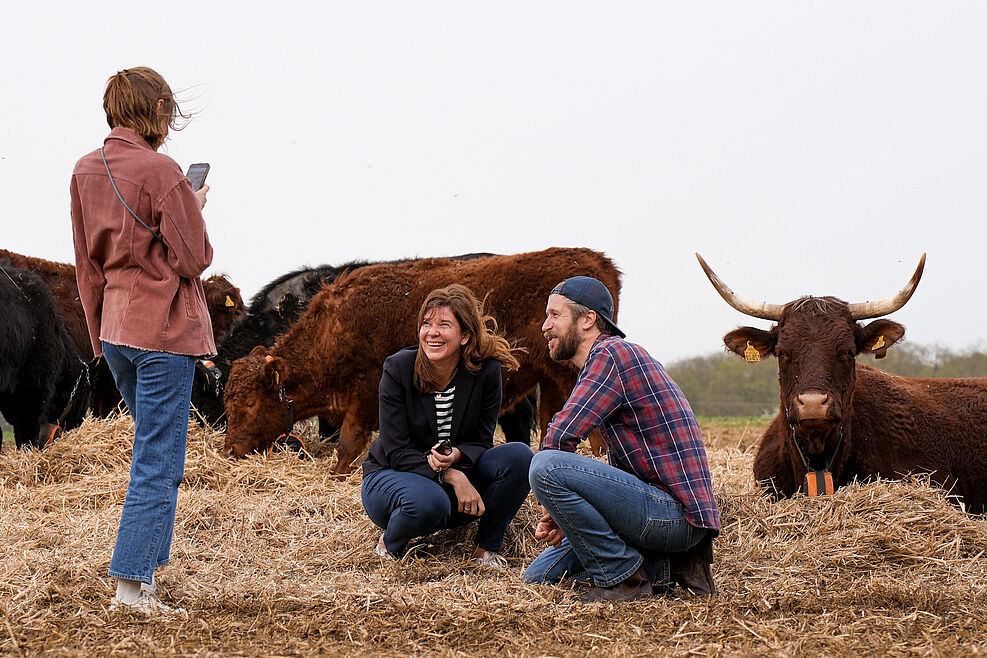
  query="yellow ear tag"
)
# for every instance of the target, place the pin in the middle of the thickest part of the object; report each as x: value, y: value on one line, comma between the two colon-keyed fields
x: 878, y: 344
x: 277, y: 378
x: 751, y: 355
x: 229, y: 302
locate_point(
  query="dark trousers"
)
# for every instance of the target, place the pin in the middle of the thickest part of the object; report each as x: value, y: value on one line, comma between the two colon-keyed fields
x: 408, y: 505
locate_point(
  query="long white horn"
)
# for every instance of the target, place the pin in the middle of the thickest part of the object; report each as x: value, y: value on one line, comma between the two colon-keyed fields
x: 865, y: 310
x: 761, y: 310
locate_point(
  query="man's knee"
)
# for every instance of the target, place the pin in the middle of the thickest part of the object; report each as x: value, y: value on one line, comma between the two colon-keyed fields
x: 543, y: 464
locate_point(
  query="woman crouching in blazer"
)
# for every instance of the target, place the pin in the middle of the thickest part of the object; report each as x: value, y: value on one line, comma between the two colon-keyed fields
x: 434, y: 465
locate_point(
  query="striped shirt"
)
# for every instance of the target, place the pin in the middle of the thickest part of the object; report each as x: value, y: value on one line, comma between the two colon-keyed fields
x: 443, y: 411
x: 646, y: 422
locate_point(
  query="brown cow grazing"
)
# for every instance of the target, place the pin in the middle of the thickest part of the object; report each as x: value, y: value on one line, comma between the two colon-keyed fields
x: 329, y: 363
x: 851, y: 420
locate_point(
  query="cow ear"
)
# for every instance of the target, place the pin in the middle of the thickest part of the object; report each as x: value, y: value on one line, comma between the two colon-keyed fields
x: 259, y: 350
x: 751, y: 344
x: 876, y: 337
x: 275, y: 372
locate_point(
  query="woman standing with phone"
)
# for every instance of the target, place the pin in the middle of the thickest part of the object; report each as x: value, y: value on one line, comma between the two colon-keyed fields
x: 434, y: 465
x: 140, y: 246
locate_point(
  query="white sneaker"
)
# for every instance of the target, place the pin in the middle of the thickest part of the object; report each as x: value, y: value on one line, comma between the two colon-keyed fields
x: 491, y: 560
x: 381, y: 550
x: 149, y: 604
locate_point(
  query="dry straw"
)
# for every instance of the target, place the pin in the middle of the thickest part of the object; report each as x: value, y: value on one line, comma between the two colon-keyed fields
x: 274, y: 557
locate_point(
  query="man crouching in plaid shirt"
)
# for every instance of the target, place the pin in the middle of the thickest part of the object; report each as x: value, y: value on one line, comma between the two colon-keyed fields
x: 646, y: 521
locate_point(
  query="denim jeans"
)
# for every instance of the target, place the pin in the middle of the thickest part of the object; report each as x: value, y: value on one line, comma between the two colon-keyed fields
x: 408, y: 505
x: 156, y: 387
x: 613, y: 522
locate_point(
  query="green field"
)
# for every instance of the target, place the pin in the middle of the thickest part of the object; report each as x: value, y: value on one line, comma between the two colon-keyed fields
x: 734, y: 421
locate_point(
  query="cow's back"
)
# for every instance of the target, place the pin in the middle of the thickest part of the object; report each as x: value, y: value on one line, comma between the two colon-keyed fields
x: 907, y: 425
x: 371, y: 313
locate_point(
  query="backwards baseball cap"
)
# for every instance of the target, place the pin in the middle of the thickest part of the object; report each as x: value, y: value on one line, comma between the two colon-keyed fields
x: 592, y: 294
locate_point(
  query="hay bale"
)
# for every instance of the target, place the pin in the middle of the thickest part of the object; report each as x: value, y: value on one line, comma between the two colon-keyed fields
x: 273, y: 556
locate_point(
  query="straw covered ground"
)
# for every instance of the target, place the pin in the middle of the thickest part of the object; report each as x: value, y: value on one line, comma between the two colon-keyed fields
x: 273, y: 557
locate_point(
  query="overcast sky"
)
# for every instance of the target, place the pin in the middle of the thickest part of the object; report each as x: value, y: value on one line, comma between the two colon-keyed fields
x: 802, y: 148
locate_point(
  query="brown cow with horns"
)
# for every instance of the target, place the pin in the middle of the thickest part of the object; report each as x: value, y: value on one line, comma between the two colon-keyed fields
x: 329, y: 363
x: 849, y: 420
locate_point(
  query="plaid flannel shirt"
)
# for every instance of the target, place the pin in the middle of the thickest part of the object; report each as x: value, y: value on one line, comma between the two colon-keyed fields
x: 646, y: 422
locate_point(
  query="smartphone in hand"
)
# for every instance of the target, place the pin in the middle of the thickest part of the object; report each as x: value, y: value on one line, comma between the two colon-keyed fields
x: 197, y: 174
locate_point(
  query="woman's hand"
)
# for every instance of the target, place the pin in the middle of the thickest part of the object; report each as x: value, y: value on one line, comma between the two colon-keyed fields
x: 200, y: 195
x: 440, y: 462
x: 467, y: 495
x: 548, y: 531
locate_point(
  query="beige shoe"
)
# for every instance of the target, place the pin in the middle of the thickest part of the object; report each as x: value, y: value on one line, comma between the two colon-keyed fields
x: 149, y: 604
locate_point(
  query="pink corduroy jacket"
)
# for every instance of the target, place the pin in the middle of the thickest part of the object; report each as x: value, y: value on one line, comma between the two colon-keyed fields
x: 139, y: 291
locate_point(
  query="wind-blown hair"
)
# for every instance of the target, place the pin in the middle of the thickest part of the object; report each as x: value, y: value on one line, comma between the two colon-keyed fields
x: 131, y: 101
x: 483, y: 341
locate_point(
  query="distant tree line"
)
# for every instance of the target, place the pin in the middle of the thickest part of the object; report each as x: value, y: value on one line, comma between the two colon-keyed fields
x: 725, y: 385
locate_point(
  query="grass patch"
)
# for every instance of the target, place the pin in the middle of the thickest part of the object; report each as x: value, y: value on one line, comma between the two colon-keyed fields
x: 735, y: 421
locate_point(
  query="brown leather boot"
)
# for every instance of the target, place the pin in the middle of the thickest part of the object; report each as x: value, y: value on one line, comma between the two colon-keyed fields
x: 635, y: 587
x: 691, y: 569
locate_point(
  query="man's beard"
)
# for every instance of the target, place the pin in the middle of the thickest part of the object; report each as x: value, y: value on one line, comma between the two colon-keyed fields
x: 566, y: 345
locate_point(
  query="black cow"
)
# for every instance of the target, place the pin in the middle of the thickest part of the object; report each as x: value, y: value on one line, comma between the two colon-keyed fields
x: 44, y: 385
x: 222, y: 299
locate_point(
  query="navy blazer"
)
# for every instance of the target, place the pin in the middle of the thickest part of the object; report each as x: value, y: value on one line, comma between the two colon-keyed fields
x: 408, y: 427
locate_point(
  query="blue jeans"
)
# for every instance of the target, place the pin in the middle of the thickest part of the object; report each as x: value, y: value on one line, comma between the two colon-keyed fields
x: 408, y: 505
x: 156, y: 387
x: 613, y: 523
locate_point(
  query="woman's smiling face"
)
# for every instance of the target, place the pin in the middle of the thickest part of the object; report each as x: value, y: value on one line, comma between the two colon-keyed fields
x: 440, y: 337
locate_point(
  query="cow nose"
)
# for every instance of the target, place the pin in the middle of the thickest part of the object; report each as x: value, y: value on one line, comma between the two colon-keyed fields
x: 813, y: 406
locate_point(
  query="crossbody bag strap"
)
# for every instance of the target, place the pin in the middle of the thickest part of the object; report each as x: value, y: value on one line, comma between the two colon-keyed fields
x: 120, y: 196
